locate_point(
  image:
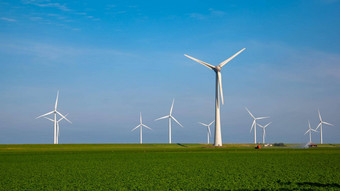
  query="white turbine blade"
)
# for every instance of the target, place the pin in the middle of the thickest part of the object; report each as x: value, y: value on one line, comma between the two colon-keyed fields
x: 309, y: 125
x: 63, y: 117
x: 318, y: 126
x: 209, y: 131
x: 45, y: 114
x: 140, y: 117
x: 260, y: 125
x: 201, y: 62
x: 267, y: 125
x: 49, y: 119
x: 172, y: 106
x: 252, y: 125
x: 226, y: 61
x: 314, y: 130
x: 203, y: 124
x: 220, y: 85
x: 56, y: 101
x: 319, y: 115
x: 162, y: 118
x: 327, y: 123
x: 135, y: 128
x: 307, y: 131
x: 176, y: 121
x: 211, y: 123
x: 146, y: 126
x: 262, y: 117
x: 250, y: 113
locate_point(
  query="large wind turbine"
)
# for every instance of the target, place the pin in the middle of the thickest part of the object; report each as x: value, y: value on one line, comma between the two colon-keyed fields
x: 208, y: 129
x: 254, y: 123
x: 141, y: 125
x: 310, y: 132
x: 264, y: 131
x: 55, y: 112
x: 58, y: 132
x: 217, y: 70
x: 320, y: 125
x: 170, y: 117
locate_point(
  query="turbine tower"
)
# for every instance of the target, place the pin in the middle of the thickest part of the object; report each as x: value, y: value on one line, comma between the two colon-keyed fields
x: 170, y: 117
x: 219, y: 91
x: 141, y: 125
x: 208, y: 129
x: 264, y: 131
x: 320, y: 125
x: 55, y: 112
x: 254, y: 123
x: 58, y: 132
x: 310, y: 132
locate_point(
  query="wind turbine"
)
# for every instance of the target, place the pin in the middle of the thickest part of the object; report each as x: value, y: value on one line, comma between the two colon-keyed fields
x: 58, y: 132
x: 55, y: 112
x: 310, y: 132
x: 141, y: 125
x: 217, y: 70
x: 254, y: 123
x: 320, y: 125
x: 170, y: 117
x: 264, y: 131
x: 208, y: 129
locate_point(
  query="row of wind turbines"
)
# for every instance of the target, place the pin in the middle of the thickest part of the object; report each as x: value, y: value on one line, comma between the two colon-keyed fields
x: 317, y: 127
x: 218, y: 96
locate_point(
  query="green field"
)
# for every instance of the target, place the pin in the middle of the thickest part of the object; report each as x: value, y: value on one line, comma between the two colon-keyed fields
x: 168, y: 167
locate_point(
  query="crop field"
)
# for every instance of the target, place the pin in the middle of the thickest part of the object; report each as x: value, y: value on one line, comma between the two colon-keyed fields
x: 168, y: 167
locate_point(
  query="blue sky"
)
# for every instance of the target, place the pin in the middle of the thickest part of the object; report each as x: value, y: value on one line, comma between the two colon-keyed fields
x: 111, y: 60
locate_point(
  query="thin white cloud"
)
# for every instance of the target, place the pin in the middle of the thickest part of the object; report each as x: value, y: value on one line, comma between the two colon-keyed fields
x: 47, y: 4
x: 212, y: 13
x: 8, y: 19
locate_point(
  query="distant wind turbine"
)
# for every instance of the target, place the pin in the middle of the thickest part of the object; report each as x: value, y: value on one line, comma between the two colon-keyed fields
x: 58, y: 132
x: 320, y: 125
x: 254, y: 123
x: 55, y: 112
x: 310, y: 132
x: 208, y: 129
x: 264, y: 131
x: 170, y: 117
x: 141, y: 125
x: 217, y: 70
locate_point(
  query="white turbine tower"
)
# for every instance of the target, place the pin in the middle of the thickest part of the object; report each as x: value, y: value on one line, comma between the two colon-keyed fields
x: 217, y: 70
x: 55, y: 112
x: 170, y: 117
x: 58, y: 132
x: 320, y: 125
x: 141, y: 125
x: 310, y: 132
x: 208, y: 129
x: 254, y: 123
x: 264, y: 131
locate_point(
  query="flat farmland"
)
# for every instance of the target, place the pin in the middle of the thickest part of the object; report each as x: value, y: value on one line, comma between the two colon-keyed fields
x: 168, y: 167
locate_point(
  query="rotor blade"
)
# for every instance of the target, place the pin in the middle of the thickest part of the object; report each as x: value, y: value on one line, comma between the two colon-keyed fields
x: 162, y: 118
x: 307, y: 131
x: 211, y: 123
x: 267, y: 125
x: 327, y: 123
x: 309, y: 125
x: 220, y: 85
x: 63, y: 117
x: 318, y: 126
x: 172, y: 106
x: 203, y: 124
x: 262, y: 117
x: 226, y: 61
x: 319, y: 115
x: 49, y: 119
x: 250, y: 113
x: 201, y: 62
x: 45, y: 114
x: 146, y: 126
x: 176, y: 121
x: 314, y: 130
x: 252, y: 125
x: 135, y: 128
x: 259, y: 125
x: 209, y: 131
x: 140, y: 117
x: 56, y: 101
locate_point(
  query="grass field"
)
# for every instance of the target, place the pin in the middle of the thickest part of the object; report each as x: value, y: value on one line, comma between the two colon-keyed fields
x: 168, y: 167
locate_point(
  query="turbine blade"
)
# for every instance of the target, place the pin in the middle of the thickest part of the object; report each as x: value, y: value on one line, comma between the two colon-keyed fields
x: 203, y: 124
x: 252, y: 125
x: 135, y: 128
x: 140, y: 117
x: 259, y: 125
x: 45, y: 114
x: 250, y: 113
x: 176, y: 121
x: 201, y: 62
x: 56, y: 101
x: 220, y: 85
x: 319, y: 115
x: 318, y: 126
x: 61, y: 118
x: 64, y: 117
x: 211, y: 123
x: 162, y: 118
x: 327, y: 123
x: 314, y: 130
x: 49, y: 119
x: 146, y: 126
x: 262, y: 117
x: 309, y: 125
x: 267, y: 125
x: 172, y: 106
x: 228, y: 60
x: 307, y: 131
x: 209, y: 131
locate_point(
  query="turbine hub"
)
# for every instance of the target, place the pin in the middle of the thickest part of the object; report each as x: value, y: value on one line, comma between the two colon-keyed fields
x: 217, y: 68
